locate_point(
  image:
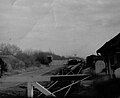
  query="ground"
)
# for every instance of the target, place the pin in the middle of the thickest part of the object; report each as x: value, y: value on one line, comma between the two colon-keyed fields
x: 19, y: 89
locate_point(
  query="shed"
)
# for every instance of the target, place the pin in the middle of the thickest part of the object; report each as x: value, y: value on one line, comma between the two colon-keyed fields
x: 111, y: 54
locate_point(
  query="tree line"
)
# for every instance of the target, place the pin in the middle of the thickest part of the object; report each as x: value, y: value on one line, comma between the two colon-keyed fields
x: 27, y: 57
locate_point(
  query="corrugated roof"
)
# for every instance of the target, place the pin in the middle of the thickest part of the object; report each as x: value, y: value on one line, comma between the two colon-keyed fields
x: 110, y: 45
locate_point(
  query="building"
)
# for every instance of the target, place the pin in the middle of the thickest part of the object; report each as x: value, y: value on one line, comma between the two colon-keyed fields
x: 110, y: 51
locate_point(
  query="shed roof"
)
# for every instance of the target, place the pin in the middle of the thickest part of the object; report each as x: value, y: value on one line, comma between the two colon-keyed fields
x: 111, y: 45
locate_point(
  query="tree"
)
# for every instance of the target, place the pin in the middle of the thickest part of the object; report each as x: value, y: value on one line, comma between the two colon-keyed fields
x: 9, y: 49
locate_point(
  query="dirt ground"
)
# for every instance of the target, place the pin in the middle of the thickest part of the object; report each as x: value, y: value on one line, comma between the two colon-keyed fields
x: 8, y: 90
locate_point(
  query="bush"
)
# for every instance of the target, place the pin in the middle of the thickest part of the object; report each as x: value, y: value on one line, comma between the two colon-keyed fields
x: 42, y: 58
x: 27, y: 58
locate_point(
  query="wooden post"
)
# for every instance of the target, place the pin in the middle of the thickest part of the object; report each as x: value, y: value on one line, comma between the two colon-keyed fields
x: 29, y: 90
x: 42, y: 89
x: 109, y: 68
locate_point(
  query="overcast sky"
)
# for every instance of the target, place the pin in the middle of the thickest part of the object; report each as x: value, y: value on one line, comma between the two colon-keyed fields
x: 63, y: 26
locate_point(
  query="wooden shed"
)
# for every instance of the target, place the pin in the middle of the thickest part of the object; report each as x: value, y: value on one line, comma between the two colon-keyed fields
x: 110, y: 51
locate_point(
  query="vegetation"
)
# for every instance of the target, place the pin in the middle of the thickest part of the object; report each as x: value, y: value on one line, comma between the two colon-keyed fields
x: 26, y: 58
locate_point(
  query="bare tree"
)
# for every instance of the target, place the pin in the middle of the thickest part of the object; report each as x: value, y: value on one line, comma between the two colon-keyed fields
x: 9, y: 49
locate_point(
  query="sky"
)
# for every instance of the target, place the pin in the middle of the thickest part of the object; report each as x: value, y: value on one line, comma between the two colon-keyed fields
x: 65, y: 27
